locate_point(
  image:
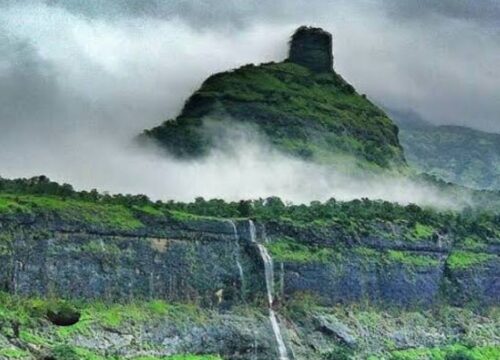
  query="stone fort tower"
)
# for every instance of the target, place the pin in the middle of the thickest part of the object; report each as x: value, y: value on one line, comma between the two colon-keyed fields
x: 312, y: 47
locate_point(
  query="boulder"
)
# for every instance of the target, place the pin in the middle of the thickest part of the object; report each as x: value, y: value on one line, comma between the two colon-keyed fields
x: 331, y: 326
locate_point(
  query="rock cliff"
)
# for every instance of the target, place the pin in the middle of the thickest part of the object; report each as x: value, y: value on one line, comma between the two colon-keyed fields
x: 213, y: 262
x: 214, y: 265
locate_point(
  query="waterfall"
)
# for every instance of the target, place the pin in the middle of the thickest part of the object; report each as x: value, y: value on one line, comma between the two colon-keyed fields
x: 151, y: 285
x: 269, y: 276
x: 237, y: 256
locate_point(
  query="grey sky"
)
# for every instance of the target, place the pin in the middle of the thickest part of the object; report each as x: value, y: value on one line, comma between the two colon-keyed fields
x: 437, y: 57
x: 485, y: 12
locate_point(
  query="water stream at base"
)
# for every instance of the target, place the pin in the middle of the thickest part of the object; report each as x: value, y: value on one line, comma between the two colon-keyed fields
x: 269, y: 275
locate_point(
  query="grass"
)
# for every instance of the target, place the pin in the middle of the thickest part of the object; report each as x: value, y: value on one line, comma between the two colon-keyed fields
x: 13, y: 354
x: 28, y: 311
x: 10, y: 205
x: 185, y: 216
x: 460, y: 260
x: 445, y: 353
x: 149, y: 210
x: 473, y: 242
x: 107, y: 215
x: 30, y: 314
x: 116, y: 315
x: 183, y: 357
x: 287, y: 249
x: 423, y: 231
x: 412, y: 259
x: 80, y: 353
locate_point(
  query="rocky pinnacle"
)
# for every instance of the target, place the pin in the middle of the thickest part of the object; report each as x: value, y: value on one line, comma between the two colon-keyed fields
x: 312, y: 47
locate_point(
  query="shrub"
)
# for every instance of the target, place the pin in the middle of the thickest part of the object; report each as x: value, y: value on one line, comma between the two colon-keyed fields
x: 459, y: 355
x: 64, y: 352
x: 340, y: 353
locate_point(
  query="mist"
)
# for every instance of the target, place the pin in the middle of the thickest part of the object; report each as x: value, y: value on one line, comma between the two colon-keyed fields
x: 78, y: 81
x: 243, y: 166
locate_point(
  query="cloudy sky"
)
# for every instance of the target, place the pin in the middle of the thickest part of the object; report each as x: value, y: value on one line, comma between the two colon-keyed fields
x: 77, y: 76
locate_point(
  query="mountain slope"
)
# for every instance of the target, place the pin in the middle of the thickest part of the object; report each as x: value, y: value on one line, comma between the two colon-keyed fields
x: 453, y: 153
x: 300, y: 105
x: 92, y: 276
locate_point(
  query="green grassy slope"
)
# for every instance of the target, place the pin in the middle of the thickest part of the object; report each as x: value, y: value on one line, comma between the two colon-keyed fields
x: 453, y: 153
x: 374, y: 329
x: 28, y: 315
x: 314, y: 116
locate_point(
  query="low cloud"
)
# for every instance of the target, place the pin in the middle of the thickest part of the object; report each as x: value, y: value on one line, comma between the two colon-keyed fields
x: 78, y: 80
x: 243, y: 166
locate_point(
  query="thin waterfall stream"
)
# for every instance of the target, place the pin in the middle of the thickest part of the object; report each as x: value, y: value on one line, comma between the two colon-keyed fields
x: 237, y: 256
x: 269, y: 275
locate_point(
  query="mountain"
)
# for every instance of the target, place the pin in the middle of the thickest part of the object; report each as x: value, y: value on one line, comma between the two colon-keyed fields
x: 301, y: 106
x: 91, y: 276
x: 455, y: 154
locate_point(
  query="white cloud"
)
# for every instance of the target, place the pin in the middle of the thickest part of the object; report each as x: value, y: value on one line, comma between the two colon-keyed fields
x: 76, y: 86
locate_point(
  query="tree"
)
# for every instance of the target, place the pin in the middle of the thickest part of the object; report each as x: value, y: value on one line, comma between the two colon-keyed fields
x: 245, y: 208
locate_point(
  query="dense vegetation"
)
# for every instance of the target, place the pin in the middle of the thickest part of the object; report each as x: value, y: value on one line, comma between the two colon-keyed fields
x: 453, y: 153
x: 316, y: 116
x: 126, y: 212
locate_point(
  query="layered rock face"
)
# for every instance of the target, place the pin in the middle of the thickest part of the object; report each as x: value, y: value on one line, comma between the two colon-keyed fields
x: 195, y: 261
x: 387, y: 270
x: 214, y: 263
x: 312, y: 48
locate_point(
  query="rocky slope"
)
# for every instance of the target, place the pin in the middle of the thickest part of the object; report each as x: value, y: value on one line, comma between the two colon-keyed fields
x: 300, y: 105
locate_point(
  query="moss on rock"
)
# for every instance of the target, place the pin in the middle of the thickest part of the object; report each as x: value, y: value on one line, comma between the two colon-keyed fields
x: 465, y: 259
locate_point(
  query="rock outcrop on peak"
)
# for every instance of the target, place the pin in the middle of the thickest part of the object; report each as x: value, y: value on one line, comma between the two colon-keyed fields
x: 312, y: 48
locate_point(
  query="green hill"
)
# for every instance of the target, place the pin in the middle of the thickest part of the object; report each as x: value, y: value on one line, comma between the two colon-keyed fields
x: 301, y: 106
x: 453, y: 153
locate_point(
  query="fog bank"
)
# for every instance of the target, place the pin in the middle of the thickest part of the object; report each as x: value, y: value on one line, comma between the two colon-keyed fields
x: 79, y: 80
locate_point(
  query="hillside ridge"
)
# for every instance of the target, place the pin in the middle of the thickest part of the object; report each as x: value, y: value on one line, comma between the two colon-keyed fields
x: 301, y: 106
x: 453, y: 153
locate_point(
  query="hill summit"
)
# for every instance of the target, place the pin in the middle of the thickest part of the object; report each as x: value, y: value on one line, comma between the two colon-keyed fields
x: 300, y: 105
